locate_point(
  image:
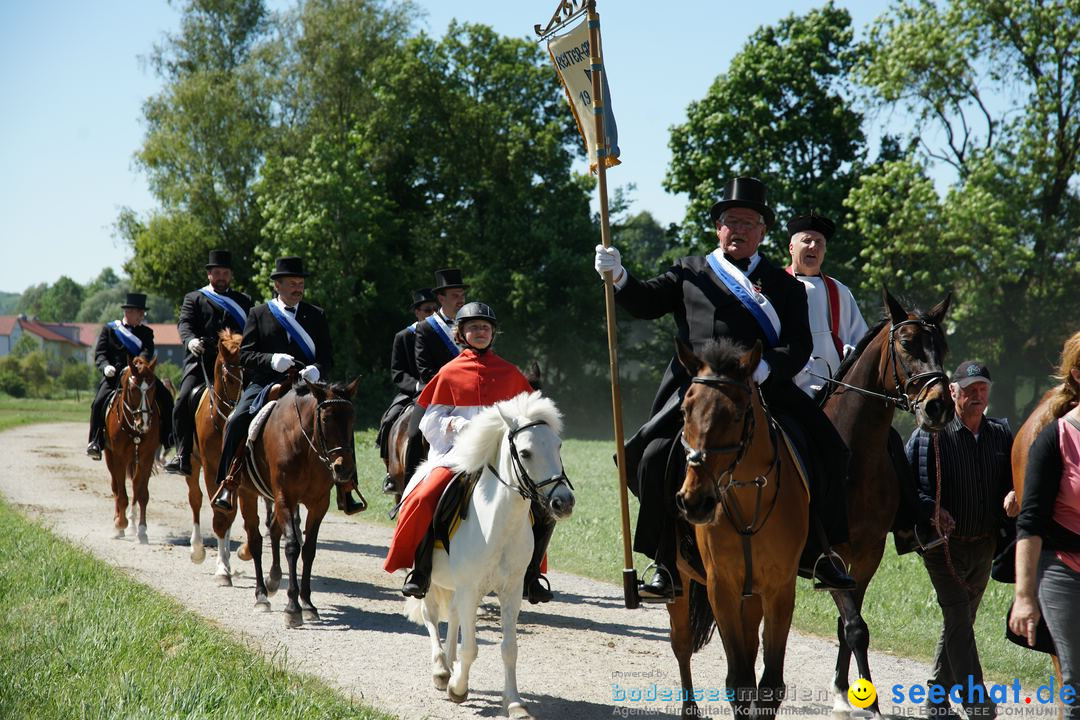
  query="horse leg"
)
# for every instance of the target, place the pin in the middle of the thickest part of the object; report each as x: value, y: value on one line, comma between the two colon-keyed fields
x: 779, y: 608
x: 194, y: 496
x: 856, y: 637
x: 682, y: 644
x: 311, y: 537
x: 509, y: 607
x: 290, y: 519
x: 752, y: 613
x: 273, y: 582
x: 118, y: 477
x: 250, y: 513
x: 440, y: 669
x: 740, y: 663
x: 141, y: 487
x: 466, y: 600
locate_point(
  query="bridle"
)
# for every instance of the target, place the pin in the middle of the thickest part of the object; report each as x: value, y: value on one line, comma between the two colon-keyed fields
x: 901, y: 396
x: 319, y: 431
x: 127, y: 415
x: 524, y: 484
x: 217, y: 402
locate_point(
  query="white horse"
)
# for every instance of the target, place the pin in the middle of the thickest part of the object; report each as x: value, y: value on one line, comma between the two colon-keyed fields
x: 516, y: 446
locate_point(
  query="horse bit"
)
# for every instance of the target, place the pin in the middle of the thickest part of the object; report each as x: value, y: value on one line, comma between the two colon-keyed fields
x: 128, y: 415
x: 528, y: 488
x: 319, y: 430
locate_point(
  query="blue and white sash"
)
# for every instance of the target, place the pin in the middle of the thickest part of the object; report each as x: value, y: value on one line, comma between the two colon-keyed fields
x: 226, y: 303
x: 128, y: 339
x: 293, y: 329
x: 443, y: 331
x: 740, y: 286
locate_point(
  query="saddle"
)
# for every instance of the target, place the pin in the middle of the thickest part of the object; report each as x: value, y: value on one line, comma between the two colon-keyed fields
x: 453, y: 507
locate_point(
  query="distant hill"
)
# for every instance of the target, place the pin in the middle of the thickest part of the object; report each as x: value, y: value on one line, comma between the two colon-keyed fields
x: 8, y: 302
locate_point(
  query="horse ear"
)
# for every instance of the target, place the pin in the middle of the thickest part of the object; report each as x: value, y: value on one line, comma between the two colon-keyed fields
x: 937, y: 313
x: 535, y: 376
x: 509, y: 421
x: 895, y: 309
x: 153, y: 363
x: 750, y: 359
x: 687, y: 358
x: 351, y: 387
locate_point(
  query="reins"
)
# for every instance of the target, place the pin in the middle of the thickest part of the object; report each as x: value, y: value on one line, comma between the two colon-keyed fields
x: 525, y: 486
x: 127, y: 415
x: 219, y: 401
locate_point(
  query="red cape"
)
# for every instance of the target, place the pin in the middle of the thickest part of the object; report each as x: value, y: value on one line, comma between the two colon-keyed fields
x: 474, y: 379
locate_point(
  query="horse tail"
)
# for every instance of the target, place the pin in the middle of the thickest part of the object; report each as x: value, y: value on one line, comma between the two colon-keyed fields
x: 702, y: 622
x: 414, y: 609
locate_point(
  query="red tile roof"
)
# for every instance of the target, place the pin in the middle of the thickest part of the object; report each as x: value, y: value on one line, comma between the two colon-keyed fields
x: 7, y: 323
x: 165, y: 333
x: 44, y: 333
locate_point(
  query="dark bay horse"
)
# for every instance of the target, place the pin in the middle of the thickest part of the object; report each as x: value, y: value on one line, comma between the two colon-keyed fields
x: 897, y: 364
x: 304, y: 449
x: 132, y: 429
x: 749, y: 507
x: 215, y: 404
x: 398, y: 439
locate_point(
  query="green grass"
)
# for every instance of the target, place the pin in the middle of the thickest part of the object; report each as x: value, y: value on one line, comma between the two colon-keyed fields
x: 23, y: 411
x: 78, y: 639
x: 900, y: 609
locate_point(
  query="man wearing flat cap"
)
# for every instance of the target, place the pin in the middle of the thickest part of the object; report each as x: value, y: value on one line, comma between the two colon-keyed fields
x: 119, y: 342
x: 204, y: 313
x: 404, y: 373
x: 836, y: 324
x: 734, y: 293
x: 279, y: 334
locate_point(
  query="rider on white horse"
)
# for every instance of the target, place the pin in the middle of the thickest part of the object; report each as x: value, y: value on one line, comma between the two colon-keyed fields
x: 477, y: 378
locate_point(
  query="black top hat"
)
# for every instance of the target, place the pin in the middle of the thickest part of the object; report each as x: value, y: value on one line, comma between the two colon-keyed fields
x: 219, y: 258
x: 421, y: 296
x: 288, y: 267
x: 745, y: 192
x: 447, y: 278
x: 813, y: 221
x: 135, y: 300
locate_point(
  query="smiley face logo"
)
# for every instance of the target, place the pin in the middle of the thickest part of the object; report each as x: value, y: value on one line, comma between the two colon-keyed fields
x: 862, y: 693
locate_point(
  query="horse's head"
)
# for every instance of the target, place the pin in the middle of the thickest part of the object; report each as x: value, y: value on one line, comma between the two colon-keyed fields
x: 138, y: 392
x: 227, y: 366
x: 520, y: 437
x: 718, y: 421
x: 912, y: 362
x: 334, y: 419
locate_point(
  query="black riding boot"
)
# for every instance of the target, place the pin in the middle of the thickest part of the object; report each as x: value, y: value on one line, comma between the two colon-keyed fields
x: 537, y: 588
x: 665, y: 584
x: 820, y: 563
x: 346, y: 502
x: 419, y: 578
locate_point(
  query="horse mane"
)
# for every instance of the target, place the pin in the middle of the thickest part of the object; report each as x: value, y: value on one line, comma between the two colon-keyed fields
x: 229, y: 340
x: 724, y: 356
x: 479, y: 443
x: 337, y: 389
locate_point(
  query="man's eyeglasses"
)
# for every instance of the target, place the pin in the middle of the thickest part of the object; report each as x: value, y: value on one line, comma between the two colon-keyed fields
x: 736, y: 224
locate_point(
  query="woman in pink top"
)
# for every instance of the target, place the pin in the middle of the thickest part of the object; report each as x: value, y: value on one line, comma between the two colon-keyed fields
x: 1048, y: 530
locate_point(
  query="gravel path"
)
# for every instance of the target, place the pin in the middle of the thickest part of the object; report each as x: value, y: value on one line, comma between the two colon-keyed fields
x: 571, y: 651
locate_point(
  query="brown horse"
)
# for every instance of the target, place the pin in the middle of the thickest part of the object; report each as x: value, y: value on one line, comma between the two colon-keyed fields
x: 132, y: 428
x: 396, y: 462
x: 304, y: 449
x: 743, y: 493
x: 898, y: 364
x: 215, y: 404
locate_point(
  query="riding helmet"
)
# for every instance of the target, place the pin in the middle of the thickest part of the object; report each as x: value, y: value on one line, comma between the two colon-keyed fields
x: 475, y: 311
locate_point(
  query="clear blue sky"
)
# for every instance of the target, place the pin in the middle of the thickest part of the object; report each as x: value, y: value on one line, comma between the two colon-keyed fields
x: 73, y: 87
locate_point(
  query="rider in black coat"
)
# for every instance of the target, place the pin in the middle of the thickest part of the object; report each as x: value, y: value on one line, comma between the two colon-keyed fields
x: 705, y: 308
x: 204, y: 313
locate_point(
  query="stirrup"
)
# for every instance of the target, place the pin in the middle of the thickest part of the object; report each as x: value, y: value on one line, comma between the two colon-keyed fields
x: 544, y: 593
x: 924, y: 546
x: 659, y: 570
x: 828, y: 557
x: 420, y: 592
x: 388, y: 485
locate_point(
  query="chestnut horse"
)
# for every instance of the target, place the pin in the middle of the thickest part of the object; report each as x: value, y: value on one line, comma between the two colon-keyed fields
x: 305, y: 447
x: 132, y: 428
x: 215, y: 403
x: 898, y: 364
x: 743, y: 493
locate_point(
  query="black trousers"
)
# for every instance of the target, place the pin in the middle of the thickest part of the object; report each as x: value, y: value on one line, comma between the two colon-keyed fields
x: 400, y: 402
x: 162, y: 397
x: 236, y: 428
x: 184, y: 412
x: 414, y: 445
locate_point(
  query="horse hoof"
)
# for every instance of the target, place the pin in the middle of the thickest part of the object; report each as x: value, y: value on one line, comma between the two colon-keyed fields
x: 454, y: 697
x: 244, y: 553
x: 294, y: 620
x: 262, y: 606
x: 143, y: 540
x: 118, y: 534
x: 223, y: 580
x: 518, y: 711
x: 310, y: 615
x: 441, y: 679
x: 198, y: 555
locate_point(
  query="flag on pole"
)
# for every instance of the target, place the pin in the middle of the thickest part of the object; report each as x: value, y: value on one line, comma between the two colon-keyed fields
x: 570, y: 54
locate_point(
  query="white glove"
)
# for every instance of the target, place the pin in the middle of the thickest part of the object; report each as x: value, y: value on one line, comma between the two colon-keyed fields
x: 310, y: 374
x: 281, y: 362
x: 195, y: 346
x: 761, y: 372
x: 109, y: 371
x: 458, y: 424
x: 609, y: 259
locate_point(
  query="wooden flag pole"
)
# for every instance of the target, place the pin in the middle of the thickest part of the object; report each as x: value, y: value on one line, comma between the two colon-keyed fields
x: 564, y: 13
x: 630, y: 584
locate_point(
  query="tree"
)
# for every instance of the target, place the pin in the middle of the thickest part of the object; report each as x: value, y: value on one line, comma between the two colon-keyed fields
x: 780, y: 113
x: 76, y: 376
x: 32, y: 298
x: 992, y: 88
x: 107, y: 279
x: 24, y: 346
x: 61, y: 301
